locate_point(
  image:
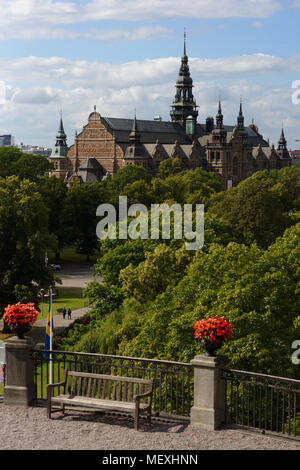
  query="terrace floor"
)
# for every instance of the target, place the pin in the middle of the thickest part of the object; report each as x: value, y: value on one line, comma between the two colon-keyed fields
x: 28, y: 428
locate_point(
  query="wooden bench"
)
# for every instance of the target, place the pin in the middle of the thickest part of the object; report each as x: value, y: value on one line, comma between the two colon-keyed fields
x: 103, y: 392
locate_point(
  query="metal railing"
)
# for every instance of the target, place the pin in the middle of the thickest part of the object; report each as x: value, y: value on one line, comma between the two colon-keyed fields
x: 173, y: 381
x: 263, y: 402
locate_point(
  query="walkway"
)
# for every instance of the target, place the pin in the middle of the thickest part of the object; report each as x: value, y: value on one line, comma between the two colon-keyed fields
x: 29, y: 428
x: 37, y: 334
x: 76, y: 275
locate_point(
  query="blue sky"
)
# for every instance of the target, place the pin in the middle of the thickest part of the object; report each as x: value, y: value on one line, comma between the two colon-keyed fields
x: 125, y: 54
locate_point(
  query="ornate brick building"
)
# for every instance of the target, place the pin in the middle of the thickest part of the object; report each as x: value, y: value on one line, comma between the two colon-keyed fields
x: 107, y: 144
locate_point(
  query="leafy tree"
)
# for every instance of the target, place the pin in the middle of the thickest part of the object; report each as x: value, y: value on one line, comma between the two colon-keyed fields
x: 26, y: 166
x: 169, y: 167
x: 31, y: 167
x: 112, y: 261
x: 24, y: 239
x: 161, y: 268
x: 125, y: 176
x: 138, y: 192
x: 254, y: 210
x: 8, y: 157
x: 54, y: 192
x: 79, y: 219
x: 256, y: 290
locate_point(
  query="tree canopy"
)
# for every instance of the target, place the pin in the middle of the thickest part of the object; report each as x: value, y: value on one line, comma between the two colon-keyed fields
x: 24, y: 239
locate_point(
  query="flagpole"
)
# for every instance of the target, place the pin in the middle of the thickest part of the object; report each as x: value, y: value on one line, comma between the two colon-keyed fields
x: 51, y: 336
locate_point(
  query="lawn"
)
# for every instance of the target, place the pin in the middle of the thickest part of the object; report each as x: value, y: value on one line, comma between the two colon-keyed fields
x: 69, y: 255
x: 68, y: 297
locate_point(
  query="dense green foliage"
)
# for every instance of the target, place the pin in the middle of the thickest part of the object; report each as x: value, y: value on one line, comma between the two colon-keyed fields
x: 24, y: 239
x: 153, y: 291
x: 13, y: 162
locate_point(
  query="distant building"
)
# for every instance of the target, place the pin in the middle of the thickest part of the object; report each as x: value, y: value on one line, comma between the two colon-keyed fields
x: 107, y: 144
x: 35, y: 149
x: 7, y: 140
x: 295, y: 156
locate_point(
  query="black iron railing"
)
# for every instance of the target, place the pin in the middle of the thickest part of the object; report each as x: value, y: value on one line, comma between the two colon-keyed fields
x: 173, y: 381
x: 263, y: 402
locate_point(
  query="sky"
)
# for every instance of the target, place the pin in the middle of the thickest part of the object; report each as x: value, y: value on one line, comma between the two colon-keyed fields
x: 124, y: 55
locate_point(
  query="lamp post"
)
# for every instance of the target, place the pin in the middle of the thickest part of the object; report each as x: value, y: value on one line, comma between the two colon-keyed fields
x: 42, y: 294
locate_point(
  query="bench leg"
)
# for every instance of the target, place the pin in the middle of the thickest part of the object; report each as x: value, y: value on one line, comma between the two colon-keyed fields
x: 149, y: 417
x: 136, y: 416
x: 49, y: 409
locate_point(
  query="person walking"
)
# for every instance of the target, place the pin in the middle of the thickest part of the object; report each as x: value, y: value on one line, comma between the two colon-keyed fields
x: 69, y: 314
x: 64, y: 312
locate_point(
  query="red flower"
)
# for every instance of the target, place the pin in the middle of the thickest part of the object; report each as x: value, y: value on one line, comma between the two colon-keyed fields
x: 25, y: 314
x: 216, y: 329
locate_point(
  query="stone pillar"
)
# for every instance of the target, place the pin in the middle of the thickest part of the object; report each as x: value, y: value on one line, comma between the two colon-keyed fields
x: 208, y: 411
x: 19, y: 388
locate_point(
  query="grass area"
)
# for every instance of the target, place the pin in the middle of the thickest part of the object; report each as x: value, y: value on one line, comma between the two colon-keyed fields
x: 69, y: 255
x: 68, y: 297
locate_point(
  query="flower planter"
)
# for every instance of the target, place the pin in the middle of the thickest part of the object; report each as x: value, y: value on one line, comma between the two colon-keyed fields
x: 20, y: 318
x: 211, y: 333
x: 19, y: 329
x: 210, y: 347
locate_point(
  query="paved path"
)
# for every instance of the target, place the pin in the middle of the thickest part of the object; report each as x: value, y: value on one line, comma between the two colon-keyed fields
x: 37, y: 334
x: 76, y: 275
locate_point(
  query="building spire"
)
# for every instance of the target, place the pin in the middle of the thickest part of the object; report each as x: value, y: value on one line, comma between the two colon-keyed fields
x: 61, y: 135
x: 183, y: 104
x: 60, y: 149
x: 240, y: 119
x: 135, y: 149
x: 134, y: 136
x: 282, y: 141
x: 184, y: 46
x: 219, y: 117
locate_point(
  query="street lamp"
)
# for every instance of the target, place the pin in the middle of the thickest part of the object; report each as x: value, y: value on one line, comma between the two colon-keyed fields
x: 42, y: 293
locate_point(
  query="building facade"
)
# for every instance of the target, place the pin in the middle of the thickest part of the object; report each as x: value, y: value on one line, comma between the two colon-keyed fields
x: 106, y: 144
x: 7, y: 140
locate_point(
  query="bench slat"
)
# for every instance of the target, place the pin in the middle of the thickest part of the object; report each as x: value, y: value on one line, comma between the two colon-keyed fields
x: 96, y: 403
x: 110, y: 377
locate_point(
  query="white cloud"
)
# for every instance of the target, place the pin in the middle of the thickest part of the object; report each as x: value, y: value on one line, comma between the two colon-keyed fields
x: 93, y: 74
x: 36, y: 19
x: 38, y: 87
x: 49, y: 33
x: 132, y: 10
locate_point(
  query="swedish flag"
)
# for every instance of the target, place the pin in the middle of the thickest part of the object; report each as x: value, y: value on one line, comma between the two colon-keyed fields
x: 49, y: 326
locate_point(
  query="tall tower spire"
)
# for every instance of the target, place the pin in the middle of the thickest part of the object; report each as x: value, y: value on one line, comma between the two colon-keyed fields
x: 240, y: 119
x: 59, y: 151
x: 61, y: 137
x: 282, y: 146
x: 219, y: 117
x: 135, y: 151
x: 183, y: 104
x: 282, y: 141
x: 184, y: 47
